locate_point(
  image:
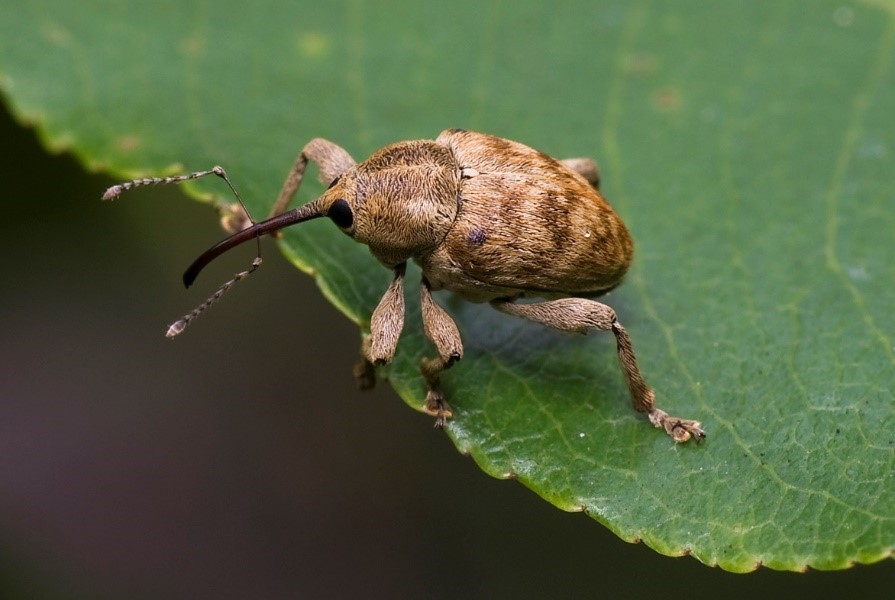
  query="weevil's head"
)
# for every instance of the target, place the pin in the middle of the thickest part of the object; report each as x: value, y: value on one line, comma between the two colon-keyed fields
x: 400, y: 202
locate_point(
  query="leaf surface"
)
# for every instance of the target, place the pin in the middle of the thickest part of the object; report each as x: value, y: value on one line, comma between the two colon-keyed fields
x: 750, y: 147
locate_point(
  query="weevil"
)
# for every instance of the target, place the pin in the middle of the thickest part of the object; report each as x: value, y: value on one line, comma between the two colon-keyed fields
x: 489, y: 219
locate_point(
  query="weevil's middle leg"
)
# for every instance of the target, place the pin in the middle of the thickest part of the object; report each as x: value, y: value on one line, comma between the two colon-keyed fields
x: 579, y: 315
x: 443, y: 333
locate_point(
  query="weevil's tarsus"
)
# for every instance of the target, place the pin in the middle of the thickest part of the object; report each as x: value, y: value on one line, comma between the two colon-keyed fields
x: 179, y: 325
x: 436, y: 405
x: 680, y: 430
x: 642, y: 395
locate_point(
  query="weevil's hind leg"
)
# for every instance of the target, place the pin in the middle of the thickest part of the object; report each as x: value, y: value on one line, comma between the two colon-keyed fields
x: 385, y: 329
x: 587, y: 168
x: 333, y: 160
x: 443, y: 333
x: 579, y: 315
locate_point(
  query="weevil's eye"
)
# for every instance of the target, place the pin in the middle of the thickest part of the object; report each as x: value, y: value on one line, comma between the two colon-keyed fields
x: 341, y: 214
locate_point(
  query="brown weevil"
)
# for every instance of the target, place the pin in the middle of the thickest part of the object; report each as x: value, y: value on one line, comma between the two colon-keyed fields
x: 487, y: 218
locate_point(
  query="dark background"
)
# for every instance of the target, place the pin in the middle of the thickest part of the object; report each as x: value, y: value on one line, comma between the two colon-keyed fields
x: 239, y: 460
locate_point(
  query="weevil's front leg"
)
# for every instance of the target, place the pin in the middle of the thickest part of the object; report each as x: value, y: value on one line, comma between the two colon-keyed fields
x: 586, y: 167
x: 333, y: 160
x: 579, y: 315
x: 385, y: 329
x: 443, y: 333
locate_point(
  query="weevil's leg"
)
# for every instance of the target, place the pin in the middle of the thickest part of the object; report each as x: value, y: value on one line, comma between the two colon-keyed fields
x: 585, y: 167
x: 332, y: 160
x: 443, y: 333
x: 233, y: 216
x: 385, y: 329
x: 579, y: 315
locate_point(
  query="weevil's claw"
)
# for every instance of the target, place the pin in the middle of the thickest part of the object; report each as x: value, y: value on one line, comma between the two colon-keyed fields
x: 438, y: 407
x: 680, y: 430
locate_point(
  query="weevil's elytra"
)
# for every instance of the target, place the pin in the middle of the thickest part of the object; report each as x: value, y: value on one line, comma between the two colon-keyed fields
x: 487, y: 218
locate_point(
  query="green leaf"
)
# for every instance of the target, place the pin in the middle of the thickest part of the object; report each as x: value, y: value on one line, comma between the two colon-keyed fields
x: 750, y: 147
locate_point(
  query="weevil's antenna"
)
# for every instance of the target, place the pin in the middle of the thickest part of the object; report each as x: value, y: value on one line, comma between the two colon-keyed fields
x: 116, y: 190
x: 304, y: 213
x: 178, y: 326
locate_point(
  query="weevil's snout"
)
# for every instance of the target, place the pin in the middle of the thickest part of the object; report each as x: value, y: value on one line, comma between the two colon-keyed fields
x: 303, y: 213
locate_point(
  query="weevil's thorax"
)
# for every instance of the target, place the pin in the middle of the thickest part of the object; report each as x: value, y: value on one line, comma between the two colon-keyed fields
x: 404, y: 199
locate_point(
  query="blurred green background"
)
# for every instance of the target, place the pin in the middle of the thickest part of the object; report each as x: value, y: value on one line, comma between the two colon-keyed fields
x: 135, y: 466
